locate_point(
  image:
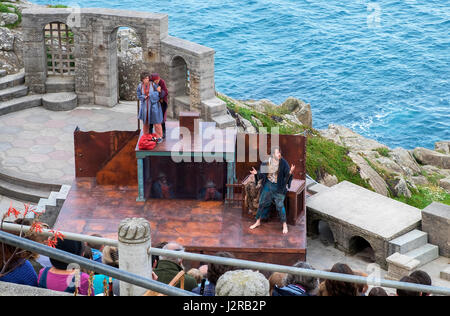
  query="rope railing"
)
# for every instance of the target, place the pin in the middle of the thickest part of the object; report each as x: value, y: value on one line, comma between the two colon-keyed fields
x: 372, y: 281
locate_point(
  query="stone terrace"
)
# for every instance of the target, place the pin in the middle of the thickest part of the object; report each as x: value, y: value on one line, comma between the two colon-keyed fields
x: 37, y: 144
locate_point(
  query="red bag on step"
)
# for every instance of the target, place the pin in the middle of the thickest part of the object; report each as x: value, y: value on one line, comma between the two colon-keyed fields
x: 148, y: 142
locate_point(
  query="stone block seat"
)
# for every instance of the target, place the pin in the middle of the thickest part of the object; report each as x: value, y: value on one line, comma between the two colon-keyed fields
x: 436, y: 222
x: 62, y: 101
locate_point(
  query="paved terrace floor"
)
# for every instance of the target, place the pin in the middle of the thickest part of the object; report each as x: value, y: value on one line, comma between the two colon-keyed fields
x: 37, y: 144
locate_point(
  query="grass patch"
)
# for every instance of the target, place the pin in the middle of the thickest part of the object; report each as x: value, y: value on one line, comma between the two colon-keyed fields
x: 433, y: 178
x: 424, y: 196
x: 324, y: 156
x: 6, y: 8
x: 382, y: 151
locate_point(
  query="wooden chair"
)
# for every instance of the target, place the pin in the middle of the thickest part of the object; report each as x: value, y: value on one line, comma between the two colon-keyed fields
x: 178, y: 278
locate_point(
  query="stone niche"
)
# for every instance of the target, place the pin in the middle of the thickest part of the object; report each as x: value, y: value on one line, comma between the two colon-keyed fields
x: 436, y: 222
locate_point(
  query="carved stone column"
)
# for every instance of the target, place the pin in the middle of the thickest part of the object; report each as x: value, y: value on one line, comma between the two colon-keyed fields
x: 134, y: 257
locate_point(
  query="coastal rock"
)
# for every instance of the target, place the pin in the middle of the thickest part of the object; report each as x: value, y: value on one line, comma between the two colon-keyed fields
x: 431, y: 157
x: 329, y: 180
x: 353, y: 141
x: 10, y: 62
x: 442, y: 147
x: 401, y: 189
x: 406, y: 161
x: 368, y: 173
x: 299, y: 109
x: 419, y: 180
x: 445, y: 184
x: 246, y: 125
x: 130, y: 66
x: 8, y: 18
x: 257, y: 121
x: 260, y: 105
x: 6, y: 39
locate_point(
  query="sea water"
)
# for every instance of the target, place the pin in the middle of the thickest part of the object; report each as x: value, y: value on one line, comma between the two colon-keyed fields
x: 380, y: 68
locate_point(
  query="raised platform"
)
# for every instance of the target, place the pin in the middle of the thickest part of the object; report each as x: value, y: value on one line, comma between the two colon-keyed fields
x: 354, y: 212
x: 203, y: 227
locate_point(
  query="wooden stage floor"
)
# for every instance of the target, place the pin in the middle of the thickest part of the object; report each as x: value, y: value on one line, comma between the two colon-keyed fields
x: 200, y: 226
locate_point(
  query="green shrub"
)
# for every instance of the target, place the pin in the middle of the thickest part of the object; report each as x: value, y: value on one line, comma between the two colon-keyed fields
x: 424, y: 196
x: 5, y: 8
x: 382, y: 151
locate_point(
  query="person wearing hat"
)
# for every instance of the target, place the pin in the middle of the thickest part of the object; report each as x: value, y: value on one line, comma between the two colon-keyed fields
x: 210, y: 192
x: 161, y: 188
x: 164, y: 99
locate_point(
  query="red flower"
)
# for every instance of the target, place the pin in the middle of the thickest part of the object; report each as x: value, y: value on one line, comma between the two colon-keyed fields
x: 51, y: 242
x: 12, y: 211
x: 57, y: 235
x: 37, y: 227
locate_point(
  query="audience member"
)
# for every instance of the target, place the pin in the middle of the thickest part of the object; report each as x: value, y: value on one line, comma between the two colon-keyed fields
x: 214, y: 272
x: 242, y: 283
x: 15, y: 266
x: 276, y: 279
x: 338, y: 288
x: 196, y: 274
x: 408, y: 279
x: 155, y: 258
x: 96, y: 249
x: 377, y: 291
x: 169, y: 267
x: 298, y: 285
x: 110, y: 256
x: 423, y: 279
x: 58, y: 277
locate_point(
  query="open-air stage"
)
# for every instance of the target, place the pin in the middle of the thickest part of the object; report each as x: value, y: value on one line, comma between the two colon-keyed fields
x: 116, y: 180
x: 200, y: 226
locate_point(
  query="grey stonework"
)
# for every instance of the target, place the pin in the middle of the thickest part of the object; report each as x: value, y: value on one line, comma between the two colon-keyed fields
x: 436, y: 222
x: 96, y: 61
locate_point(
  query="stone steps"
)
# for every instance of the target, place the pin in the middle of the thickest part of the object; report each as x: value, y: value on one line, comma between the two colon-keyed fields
x: 12, y: 80
x: 224, y: 121
x: 63, y: 101
x: 15, y: 191
x: 19, y: 104
x: 424, y: 254
x: 52, y: 205
x: 60, y: 84
x: 2, y: 73
x: 13, y: 92
x: 408, y: 242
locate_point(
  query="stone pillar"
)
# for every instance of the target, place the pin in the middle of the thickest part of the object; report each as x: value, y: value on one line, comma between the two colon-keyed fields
x: 134, y: 256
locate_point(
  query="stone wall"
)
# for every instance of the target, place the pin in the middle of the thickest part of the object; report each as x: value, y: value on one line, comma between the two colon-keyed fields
x: 436, y: 222
x: 96, y: 61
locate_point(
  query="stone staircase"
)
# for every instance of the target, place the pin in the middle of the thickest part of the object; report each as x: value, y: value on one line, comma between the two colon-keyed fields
x: 25, y: 190
x: 13, y: 94
x: 52, y: 205
x: 216, y: 111
x: 415, y: 246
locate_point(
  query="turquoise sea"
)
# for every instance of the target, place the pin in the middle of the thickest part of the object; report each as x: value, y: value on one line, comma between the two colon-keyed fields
x: 379, y: 67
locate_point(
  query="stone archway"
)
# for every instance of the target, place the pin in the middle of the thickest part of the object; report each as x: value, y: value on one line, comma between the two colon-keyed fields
x: 180, y: 85
x: 359, y: 246
x: 130, y: 62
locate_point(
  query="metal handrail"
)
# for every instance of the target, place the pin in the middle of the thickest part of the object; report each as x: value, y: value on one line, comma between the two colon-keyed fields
x: 252, y: 264
x: 92, y: 265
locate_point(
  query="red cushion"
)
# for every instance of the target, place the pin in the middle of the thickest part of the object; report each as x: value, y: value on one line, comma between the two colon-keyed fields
x: 147, y: 142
